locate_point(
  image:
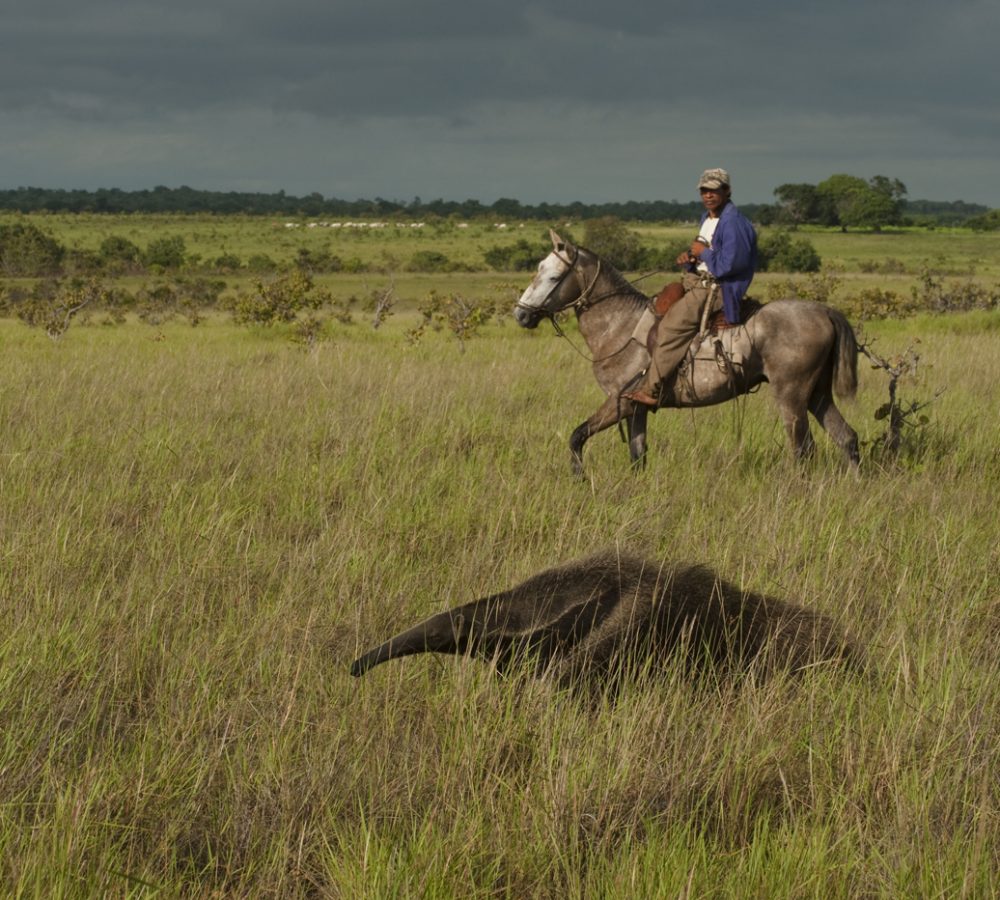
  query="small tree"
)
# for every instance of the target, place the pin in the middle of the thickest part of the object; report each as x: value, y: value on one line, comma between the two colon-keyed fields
x: 381, y: 303
x: 53, y: 305
x: 897, y: 414
x: 279, y: 301
x: 802, y: 203
x: 462, y: 316
x: 863, y: 204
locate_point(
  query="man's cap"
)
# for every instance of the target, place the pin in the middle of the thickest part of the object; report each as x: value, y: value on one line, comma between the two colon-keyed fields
x: 714, y: 179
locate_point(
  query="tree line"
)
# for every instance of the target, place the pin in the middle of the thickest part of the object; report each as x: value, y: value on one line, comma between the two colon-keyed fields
x: 188, y: 200
x: 847, y: 201
x: 841, y: 200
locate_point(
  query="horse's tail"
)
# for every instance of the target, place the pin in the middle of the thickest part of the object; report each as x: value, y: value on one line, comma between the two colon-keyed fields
x: 845, y: 355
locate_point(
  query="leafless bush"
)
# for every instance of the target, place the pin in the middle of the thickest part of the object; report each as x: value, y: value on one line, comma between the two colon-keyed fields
x: 899, y: 415
x: 934, y: 294
x: 381, y: 302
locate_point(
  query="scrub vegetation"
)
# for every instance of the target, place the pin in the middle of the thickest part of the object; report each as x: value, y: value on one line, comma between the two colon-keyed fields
x: 202, y: 527
x: 154, y: 266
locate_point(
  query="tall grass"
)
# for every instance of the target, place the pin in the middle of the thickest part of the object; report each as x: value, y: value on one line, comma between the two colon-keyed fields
x: 200, y: 528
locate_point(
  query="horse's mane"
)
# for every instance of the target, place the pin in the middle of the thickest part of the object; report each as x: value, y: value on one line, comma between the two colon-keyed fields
x: 620, y: 285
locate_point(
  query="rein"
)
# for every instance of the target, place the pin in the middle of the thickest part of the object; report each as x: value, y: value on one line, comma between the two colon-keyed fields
x: 591, y: 359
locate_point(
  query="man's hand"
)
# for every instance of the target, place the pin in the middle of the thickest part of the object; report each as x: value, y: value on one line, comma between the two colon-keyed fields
x: 693, y: 254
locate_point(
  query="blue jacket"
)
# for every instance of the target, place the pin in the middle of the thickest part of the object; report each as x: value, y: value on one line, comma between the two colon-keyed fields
x: 732, y: 258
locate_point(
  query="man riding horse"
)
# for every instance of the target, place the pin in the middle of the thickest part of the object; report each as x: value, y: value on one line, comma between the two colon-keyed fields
x: 718, y: 269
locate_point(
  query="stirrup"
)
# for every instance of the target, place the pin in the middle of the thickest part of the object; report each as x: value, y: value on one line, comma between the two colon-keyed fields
x: 640, y: 396
x: 637, y: 394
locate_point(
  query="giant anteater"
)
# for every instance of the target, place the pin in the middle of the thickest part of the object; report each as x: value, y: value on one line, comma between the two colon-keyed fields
x: 610, y: 614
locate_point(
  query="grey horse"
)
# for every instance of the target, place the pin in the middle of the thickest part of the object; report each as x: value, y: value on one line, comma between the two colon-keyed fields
x: 805, y: 350
x: 613, y: 615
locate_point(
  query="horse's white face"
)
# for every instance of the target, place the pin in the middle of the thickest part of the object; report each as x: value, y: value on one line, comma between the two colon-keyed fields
x: 551, y: 271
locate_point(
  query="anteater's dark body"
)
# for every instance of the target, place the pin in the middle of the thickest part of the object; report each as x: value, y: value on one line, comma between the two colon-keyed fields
x: 612, y: 614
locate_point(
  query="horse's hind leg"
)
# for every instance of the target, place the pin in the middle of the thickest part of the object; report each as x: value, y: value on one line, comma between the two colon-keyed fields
x: 821, y: 405
x: 795, y: 416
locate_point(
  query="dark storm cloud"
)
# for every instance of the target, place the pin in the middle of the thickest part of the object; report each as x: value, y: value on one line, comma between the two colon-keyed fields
x: 778, y: 87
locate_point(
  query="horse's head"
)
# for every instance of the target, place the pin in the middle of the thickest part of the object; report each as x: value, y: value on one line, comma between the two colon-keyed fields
x: 563, y: 279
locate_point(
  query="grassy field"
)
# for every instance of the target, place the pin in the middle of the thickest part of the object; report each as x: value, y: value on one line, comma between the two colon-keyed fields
x: 201, y: 527
x: 211, y: 236
x: 377, y: 243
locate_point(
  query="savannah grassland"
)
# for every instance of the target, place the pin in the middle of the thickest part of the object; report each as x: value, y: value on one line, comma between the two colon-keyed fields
x: 201, y: 527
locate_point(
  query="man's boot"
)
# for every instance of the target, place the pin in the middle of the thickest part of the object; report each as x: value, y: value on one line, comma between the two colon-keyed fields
x: 644, y: 392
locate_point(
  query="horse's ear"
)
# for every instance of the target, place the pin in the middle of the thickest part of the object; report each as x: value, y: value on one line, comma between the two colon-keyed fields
x: 557, y: 242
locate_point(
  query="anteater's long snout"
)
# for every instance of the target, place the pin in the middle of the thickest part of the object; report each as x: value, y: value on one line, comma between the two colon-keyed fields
x: 442, y: 633
x: 372, y: 658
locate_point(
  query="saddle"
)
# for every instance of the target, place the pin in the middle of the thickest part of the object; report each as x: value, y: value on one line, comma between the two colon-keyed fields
x: 729, y: 361
x: 673, y: 292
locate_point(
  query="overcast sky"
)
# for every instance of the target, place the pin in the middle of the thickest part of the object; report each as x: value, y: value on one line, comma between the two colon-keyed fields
x: 590, y: 100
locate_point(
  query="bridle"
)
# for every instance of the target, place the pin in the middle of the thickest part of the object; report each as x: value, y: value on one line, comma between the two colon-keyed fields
x: 581, y: 303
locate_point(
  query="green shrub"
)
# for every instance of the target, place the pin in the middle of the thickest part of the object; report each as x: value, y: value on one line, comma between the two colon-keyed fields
x: 83, y: 262
x: 157, y: 303
x: 52, y: 304
x: 780, y: 252
x: 202, y: 293
x: 519, y: 257
x: 167, y: 252
x: 610, y: 239
x: 119, y: 253
x: 462, y: 316
x: 888, y: 266
x: 989, y: 221
x: 877, y: 303
x: 429, y: 261
x: 27, y: 251
x: 935, y: 294
x: 227, y: 262
x: 261, y: 262
x: 815, y: 286
x: 318, y: 261
x: 280, y: 300
x: 664, y: 258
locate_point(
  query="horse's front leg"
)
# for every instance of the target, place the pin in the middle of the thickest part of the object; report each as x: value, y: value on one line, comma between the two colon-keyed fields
x: 609, y: 413
x: 636, y: 424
